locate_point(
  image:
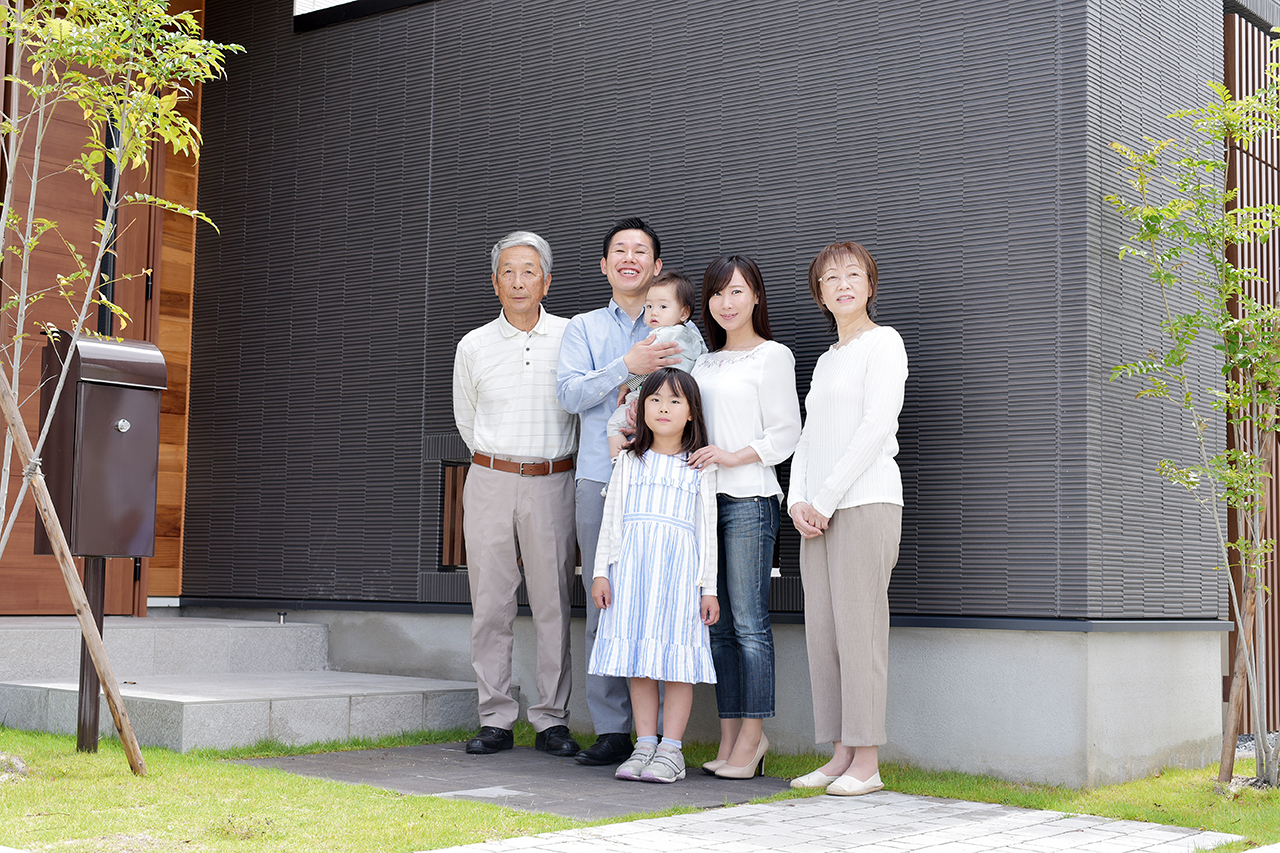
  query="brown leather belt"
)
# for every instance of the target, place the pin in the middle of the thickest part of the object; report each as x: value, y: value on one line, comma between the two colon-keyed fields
x: 524, y: 469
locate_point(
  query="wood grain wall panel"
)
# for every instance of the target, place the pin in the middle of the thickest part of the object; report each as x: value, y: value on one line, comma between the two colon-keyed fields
x: 172, y: 428
x: 173, y: 284
x: 31, y: 584
x: 165, y: 243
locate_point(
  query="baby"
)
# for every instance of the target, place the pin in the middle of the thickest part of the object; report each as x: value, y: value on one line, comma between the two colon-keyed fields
x: 668, y: 304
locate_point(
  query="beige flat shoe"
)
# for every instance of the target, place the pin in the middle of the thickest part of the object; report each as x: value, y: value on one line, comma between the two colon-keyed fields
x: 847, y: 786
x: 816, y: 779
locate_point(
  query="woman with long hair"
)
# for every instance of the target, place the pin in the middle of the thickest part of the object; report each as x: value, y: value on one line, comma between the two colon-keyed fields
x: 749, y: 397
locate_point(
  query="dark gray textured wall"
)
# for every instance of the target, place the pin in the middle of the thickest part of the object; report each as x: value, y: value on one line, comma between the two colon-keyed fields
x: 1147, y: 540
x: 360, y: 172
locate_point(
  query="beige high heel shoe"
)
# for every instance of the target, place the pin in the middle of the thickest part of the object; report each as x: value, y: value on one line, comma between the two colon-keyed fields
x: 755, y: 767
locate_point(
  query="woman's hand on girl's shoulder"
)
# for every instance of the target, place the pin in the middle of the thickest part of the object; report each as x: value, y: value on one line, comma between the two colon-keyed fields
x: 808, y: 522
x: 710, y: 610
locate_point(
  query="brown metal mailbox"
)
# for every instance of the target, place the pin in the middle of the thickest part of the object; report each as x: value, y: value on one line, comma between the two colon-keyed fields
x: 102, y: 458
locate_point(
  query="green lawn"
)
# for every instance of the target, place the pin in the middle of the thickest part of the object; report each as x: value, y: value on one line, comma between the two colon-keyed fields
x: 76, y: 802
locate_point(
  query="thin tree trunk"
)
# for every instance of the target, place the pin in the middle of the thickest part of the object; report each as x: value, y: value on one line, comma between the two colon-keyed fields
x: 1235, y: 709
x: 1260, y: 754
x: 66, y: 562
x: 1239, y: 677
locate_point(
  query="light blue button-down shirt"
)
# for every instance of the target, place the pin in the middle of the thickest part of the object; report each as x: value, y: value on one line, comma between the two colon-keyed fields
x: 591, y: 369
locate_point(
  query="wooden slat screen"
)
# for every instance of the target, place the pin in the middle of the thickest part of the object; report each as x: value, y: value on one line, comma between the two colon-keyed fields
x: 1255, y: 172
x: 453, y: 549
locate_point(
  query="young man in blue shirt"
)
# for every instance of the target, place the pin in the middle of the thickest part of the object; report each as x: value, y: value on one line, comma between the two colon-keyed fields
x: 599, y: 351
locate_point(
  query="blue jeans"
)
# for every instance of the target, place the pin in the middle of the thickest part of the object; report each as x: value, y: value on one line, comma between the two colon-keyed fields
x: 742, y: 641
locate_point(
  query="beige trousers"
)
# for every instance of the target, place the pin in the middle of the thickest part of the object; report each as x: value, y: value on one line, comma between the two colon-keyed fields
x: 505, y: 516
x: 846, y: 621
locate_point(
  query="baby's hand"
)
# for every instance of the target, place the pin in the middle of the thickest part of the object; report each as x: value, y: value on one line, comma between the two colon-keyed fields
x: 623, y: 390
x: 710, y: 610
x: 601, y: 594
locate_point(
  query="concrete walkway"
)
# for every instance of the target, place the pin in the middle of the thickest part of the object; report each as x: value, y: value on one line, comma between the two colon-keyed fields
x: 884, y: 822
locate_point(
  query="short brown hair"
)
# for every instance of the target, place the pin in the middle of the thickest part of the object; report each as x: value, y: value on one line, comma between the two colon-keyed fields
x: 686, y: 293
x: 836, y: 252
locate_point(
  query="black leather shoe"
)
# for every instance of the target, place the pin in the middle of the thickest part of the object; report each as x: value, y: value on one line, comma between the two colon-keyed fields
x: 557, y: 741
x: 611, y: 748
x: 490, y: 740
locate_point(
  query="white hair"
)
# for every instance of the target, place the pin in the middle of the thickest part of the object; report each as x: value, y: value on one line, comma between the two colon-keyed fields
x: 523, y: 238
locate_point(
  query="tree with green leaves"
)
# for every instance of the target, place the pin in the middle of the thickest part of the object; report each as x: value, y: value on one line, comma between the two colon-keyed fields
x: 1189, y: 228
x: 124, y: 68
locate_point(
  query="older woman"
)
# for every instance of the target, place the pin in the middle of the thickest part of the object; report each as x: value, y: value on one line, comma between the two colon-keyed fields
x: 846, y: 501
x: 748, y: 384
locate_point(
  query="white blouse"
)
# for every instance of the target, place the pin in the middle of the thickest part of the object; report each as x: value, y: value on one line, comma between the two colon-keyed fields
x: 845, y: 455
x: 749, y: 400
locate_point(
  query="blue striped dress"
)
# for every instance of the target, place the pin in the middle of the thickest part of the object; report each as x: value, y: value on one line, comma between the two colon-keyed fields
x: 653, y: 628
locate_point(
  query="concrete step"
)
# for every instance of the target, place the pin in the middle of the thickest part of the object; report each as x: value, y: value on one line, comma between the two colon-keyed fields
x: 184, y: 712
x: 48, y: 647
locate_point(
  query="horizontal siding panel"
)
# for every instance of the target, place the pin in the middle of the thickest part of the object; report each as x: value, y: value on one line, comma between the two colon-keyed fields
x: 361, y: 171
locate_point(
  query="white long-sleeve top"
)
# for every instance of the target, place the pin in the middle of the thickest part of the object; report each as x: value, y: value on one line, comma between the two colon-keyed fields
x: 609, y: 546
x: 749, y: 400
x: 846, y: 453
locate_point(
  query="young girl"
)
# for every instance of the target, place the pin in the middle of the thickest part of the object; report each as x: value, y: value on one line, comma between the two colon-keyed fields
x: 655, y: 572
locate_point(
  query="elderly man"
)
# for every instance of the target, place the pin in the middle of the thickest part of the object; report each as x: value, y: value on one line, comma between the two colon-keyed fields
x: 601, y: 349
x: 518, y: 499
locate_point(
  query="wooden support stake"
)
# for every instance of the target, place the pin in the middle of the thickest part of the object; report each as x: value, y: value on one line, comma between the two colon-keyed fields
x: 66, y: 562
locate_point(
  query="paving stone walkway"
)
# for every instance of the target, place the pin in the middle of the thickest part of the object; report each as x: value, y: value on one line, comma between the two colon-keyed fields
x: 884, y: 822
x: 520, y: 778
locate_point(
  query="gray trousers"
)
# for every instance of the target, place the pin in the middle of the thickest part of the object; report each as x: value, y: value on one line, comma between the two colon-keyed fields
x: 846, y: 622
x: 505, y: 516
x: 608, y: 697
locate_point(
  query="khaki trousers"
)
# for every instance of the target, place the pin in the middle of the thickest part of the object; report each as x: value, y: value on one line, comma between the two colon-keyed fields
x: 505, y: 516
x: 846, y: 621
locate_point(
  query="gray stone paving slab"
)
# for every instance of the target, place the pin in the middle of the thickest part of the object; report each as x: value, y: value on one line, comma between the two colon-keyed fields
x: 520, y: 778
x: 924, y: 824
x: 224, y: 710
